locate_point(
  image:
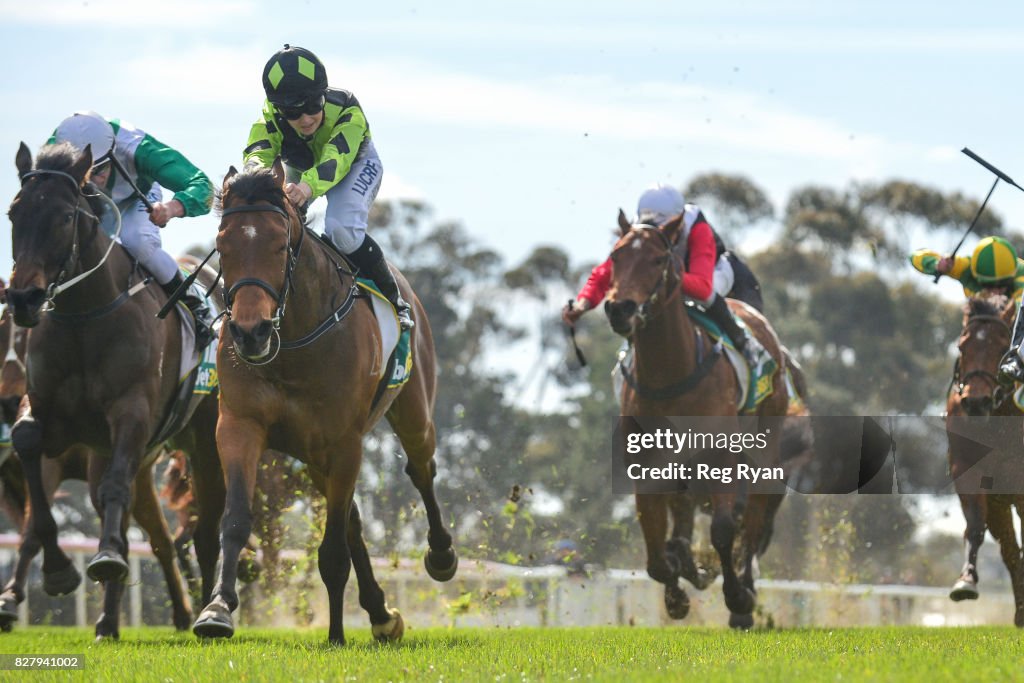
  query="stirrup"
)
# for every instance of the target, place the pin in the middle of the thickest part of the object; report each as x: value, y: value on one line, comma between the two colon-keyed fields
x: 404, y: 316
x: 1011, y: 368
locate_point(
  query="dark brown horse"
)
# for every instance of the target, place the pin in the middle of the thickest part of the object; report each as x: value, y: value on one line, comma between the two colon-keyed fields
x: 983, y: 340
x: 645, y: 306
x: 72, y: 465
x: 304, y: 383
x: 103, y: 370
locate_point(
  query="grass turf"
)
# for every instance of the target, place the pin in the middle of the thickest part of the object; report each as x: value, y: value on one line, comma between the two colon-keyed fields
x: 609, y: 653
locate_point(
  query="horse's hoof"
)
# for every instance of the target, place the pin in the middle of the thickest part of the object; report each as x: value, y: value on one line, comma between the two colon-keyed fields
x: 963, y: 590
x: 703, y: 578
x: 182, y: 621
x: 107, y: 565
x: 62, y: 581
x: 248, y: 570
x: 677, y: 602
x: 391, y: 631
x: 8, y: 611
x: 441, y: 564
x: 107, y: 636
x: 742, y: 601
x: 1018, y: 618
x: 743, y: 622
x: 214, y: 621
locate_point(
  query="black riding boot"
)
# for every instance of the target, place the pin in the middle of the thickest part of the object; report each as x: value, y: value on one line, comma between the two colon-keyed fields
x: 747, y: 345
x: 200, y: 311
x: 369, y: 259
x: 1011, y: 367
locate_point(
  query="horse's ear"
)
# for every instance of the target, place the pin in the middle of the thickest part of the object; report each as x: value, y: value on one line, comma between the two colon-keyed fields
x: 278, y: 169
x: 624, y: 225
x: 671, y: 228
x: 23, y: 160
x: 232, y: 172
x: 80, y: 168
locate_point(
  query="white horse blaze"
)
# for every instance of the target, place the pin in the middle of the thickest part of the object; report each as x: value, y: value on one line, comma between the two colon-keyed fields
x: 249, y: 231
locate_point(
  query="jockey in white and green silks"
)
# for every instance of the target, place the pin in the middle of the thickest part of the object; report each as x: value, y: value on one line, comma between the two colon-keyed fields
x: 118, y: 147
x: 993, y: 265
x: 323, y: 138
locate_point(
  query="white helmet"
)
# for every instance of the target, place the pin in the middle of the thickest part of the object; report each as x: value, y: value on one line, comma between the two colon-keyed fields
x: 659, y: 203
x: 87, y: 128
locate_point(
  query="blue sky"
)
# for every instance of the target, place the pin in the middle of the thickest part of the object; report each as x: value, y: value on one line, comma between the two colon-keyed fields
x: 532, y: 122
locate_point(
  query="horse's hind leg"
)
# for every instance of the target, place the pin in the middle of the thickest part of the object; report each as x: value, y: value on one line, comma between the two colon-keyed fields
x: 149, y: 516
x: 966, y: 587
x: 757, y: 530
x: 387, y: 624
x: 663, y: 567
x: 14, y: 592
x: 59, y: 574
x: 415, y: 430
x: 1000, y: 523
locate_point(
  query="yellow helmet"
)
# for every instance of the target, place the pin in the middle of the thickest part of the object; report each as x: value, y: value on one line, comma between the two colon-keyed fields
x: 994, y: 259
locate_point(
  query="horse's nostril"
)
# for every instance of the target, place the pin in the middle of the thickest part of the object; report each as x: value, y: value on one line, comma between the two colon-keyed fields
x: 263, y: 330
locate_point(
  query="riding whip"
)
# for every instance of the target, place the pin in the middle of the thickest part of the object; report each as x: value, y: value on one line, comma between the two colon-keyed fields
x: 576, y: 347
x: 128, y: 179
x: 999, y: 176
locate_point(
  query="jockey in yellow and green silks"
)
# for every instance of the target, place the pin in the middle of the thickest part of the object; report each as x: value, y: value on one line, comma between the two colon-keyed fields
x: 993, y: 265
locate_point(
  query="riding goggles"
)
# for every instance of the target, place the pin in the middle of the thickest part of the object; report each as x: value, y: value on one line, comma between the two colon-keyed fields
x: 313, y: 105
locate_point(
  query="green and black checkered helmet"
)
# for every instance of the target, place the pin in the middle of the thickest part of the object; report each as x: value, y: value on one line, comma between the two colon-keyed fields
x: 994, y: 259
x: 293, y: 76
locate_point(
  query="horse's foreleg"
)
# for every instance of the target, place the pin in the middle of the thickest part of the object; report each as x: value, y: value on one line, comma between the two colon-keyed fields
x: 738, y: 598
x: 334, y: 558
x: 387, y: 623
x: 678, y: 549
x: 240, y: 443
x: 59, y: 574
x: 129, y: 431
x: 974, y: 507
x: 419, y: 442
x: 662, y: 566
x: 149, y: 516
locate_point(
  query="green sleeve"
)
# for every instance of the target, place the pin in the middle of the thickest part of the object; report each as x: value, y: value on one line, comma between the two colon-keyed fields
x: 337, y: 155
x: 191, y: 187
x: 264, y: 144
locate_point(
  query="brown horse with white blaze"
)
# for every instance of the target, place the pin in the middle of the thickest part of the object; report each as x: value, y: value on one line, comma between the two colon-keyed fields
x: 677, y: 372
x: 304, y: 383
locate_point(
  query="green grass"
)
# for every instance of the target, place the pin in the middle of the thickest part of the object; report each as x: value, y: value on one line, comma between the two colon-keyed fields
x: 612, y: 654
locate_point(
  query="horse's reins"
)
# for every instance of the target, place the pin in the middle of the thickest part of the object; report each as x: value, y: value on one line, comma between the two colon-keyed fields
x: 59, y: 285
x: 704, y: 364
x: 281, y: 297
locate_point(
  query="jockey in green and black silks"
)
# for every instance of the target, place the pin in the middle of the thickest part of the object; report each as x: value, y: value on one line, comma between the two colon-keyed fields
x: 323, y: 138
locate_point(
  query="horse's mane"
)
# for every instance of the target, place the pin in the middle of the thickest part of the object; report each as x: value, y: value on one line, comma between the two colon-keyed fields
x: 993, y: 304
x: 254, y: 184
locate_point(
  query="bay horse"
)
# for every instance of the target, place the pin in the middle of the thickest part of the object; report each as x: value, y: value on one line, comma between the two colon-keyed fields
x: 102, y: 371
x: 984, y: 338
x: 71, y: 465
x: 645, y: 306
x: 305, y: 384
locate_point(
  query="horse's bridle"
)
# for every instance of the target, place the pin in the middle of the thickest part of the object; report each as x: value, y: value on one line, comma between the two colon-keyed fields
x: 292, y: 257
x: 643, y: 310
x: 961, y: 381
x: 58, y: 286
